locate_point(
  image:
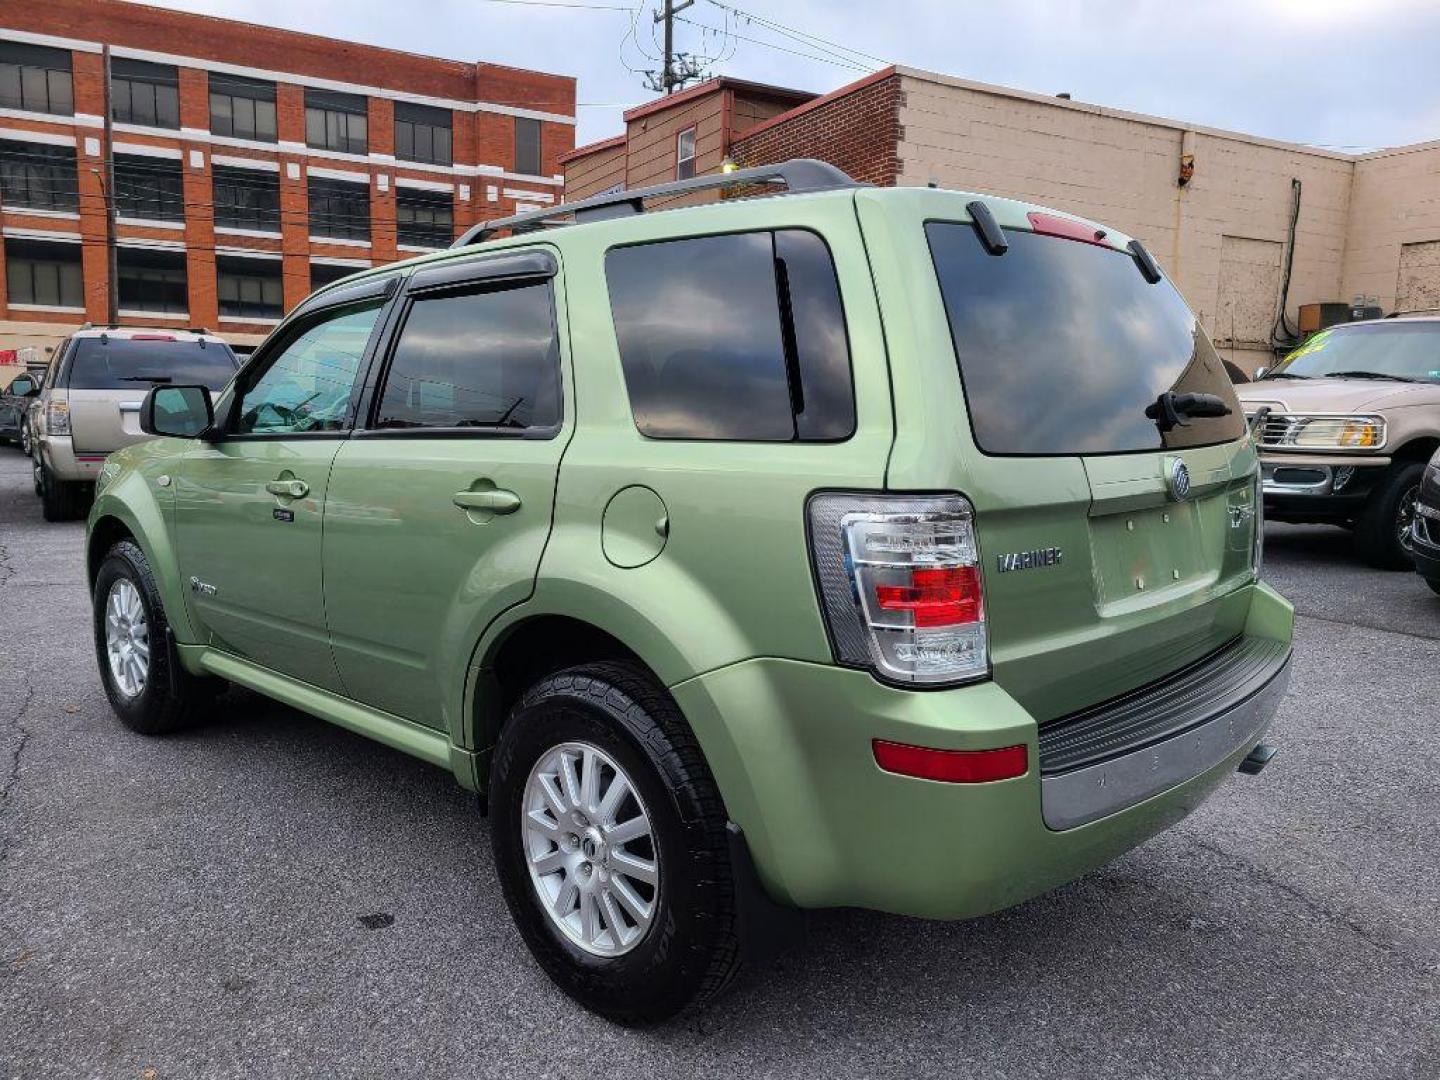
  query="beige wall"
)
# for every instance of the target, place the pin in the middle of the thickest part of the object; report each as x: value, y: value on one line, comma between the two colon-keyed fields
x: 1221, y: 237
x: 1393, y: 236
x: 595, y: 172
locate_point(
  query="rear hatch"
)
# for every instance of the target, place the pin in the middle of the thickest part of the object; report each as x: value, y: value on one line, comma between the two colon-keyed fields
x: 1103, y: 568
x: 109, y: 375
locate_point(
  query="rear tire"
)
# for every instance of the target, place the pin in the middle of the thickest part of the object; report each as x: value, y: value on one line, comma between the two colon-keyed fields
x: 689, y: 948
x: 60, y: 500
x: 150, y: 693
x: 1378, y: 530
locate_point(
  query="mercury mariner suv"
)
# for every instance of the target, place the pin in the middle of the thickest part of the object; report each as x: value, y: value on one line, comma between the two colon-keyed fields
x: 886, y: 548
x: 1346, y: 424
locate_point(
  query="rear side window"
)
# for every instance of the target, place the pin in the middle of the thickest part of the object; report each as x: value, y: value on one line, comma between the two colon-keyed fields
x: 113, y: 363
x: 736, y: 337
x: 1062, y: 345
x: 486, y: 359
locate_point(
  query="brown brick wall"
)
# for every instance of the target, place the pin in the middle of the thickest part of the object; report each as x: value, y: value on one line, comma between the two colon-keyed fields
x: 857, y: 131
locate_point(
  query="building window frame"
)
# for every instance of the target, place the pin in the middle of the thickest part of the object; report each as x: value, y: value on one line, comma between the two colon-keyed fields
x: 36, y: 78
x: 337, y: 122
x: 246, y: 198
x: 251, y: 290
x: 145, y: 94
x: 149, y: 188
x: 336, y: 209
x: 152, y: 281
x: 685, y: 163
x: 242, y: 108
x: 424, y: 218
x: 418, y: 134
x: 44, y: 274
x: 528, y: 135
x: 38, y: 176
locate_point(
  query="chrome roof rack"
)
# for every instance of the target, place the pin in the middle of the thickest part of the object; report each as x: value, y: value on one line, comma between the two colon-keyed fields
x: 798, y: 175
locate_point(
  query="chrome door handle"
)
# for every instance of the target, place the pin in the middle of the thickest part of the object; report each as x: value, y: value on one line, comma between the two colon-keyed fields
x: 495, y: 500
x: 294, y: 489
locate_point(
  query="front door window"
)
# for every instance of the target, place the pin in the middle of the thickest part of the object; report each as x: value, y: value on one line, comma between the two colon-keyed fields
x: 308, y: 386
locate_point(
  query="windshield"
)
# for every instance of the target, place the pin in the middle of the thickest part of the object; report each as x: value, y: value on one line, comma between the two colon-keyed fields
x: 115, y: 363
x: 1063, y: 345
x: 1394, y: 349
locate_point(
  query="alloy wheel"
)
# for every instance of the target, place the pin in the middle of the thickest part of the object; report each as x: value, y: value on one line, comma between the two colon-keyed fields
x: 1405, y: 517
x: 591, y: 850
x: 127, y: 638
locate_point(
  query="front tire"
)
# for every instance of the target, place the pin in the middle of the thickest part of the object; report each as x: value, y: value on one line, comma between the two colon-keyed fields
x: 1382, y: 530
x: 148, y: 689
x: 664, y: 937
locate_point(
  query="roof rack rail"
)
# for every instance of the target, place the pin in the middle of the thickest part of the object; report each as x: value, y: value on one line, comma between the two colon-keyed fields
x: 798, y: 175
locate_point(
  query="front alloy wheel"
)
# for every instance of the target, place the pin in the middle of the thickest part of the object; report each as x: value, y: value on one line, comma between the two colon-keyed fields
x: 127, y: 638
x: 591, y: 849
x: 1405, y: 518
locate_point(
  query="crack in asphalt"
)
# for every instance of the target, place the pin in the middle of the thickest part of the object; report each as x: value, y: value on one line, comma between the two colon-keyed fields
x: 1433, y: 639
x: 15, y: 723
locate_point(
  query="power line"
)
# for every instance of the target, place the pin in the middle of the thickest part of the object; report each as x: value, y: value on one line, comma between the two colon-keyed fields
x: 562, y: 4
x: 852, y: 65
x: 813, y: 40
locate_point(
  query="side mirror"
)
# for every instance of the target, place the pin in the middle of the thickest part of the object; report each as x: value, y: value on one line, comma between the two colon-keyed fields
x: 182, y: 412
x: 24, y: 386
x: 1260, y: 371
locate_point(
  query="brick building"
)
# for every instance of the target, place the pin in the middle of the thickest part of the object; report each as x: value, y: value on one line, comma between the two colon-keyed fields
x: 1214, y: 206
x: 251, y: 164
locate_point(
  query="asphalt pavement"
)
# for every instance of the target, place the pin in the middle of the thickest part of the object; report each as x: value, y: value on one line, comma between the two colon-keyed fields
x: 270, y: 896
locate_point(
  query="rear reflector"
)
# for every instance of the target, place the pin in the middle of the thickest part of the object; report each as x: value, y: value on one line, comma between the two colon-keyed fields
x: 951, y: 766
x: 1051, y: 225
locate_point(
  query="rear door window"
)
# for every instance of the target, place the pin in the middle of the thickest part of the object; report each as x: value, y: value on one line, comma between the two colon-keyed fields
x: 737, y: 337
x: 116, y: 363
x: 1062, y: 345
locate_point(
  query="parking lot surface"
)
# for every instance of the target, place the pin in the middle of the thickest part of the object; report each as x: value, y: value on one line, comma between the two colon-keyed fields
x: 201, y: 905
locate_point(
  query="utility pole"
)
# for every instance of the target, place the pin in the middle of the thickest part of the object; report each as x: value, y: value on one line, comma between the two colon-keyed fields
x: 669, y: 77
x: 107, y: 163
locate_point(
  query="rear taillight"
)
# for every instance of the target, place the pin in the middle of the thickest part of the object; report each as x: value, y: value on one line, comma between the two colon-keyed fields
x: 57, y: 418
x: 900, y: 585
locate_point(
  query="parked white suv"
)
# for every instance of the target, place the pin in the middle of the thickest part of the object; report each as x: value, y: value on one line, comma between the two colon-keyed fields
x: 90, y: 405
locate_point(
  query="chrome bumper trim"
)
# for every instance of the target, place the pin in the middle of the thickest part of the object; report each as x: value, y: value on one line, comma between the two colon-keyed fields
x: 1095, y: 791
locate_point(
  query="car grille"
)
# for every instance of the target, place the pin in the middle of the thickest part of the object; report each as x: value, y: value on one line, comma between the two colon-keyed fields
x: 1163, y: 709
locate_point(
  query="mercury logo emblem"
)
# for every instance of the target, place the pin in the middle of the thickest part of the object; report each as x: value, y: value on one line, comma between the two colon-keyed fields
x: 1179, y: 480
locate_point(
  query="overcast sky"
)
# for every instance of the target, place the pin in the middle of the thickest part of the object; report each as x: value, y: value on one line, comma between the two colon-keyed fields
x: 1331, y: 72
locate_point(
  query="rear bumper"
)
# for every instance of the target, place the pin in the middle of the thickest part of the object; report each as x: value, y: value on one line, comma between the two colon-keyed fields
x: 65, y: 464
x: 790, y: 746
x: 1426, y: 550
x: 1304, y: 491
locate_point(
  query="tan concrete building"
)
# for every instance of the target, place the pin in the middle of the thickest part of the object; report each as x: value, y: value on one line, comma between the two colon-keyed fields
x: 1214, y: 206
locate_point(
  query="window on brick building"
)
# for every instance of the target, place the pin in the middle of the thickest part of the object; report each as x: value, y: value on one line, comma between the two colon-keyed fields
x: 242, y: 108
x: 152, y: 281
x: 48, y: 275
x: 335, y: 121
x: 685, y: 154
x: 149, y: 187
x: 37, y: 176
x: 322, y: 273
x: 144, y: 93
x: 35, y: 78
x: 424, y: 218
x: 250, y: 288
x: 422, y: 133
x: 247, y: 199
x: 339, y: 209
x: 527, y: 146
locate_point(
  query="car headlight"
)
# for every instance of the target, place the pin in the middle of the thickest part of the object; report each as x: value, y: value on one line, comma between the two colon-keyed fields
x: 1339, y: 433
x: 57, y: 418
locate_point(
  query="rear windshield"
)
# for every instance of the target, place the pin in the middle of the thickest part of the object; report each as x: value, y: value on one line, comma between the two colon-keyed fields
x: 1062, y: 345
x: 1402, y: 351
x: 113, y: 363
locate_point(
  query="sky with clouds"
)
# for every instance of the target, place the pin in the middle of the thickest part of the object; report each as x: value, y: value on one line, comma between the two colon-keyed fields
x: 1329, y: 72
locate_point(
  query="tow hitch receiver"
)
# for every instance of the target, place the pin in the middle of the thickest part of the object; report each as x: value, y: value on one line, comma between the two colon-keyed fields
x: 1257, y: 759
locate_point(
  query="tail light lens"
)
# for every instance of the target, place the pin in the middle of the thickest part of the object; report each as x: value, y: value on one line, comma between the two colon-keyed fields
x: 57, y: 418
x: 900, y: 585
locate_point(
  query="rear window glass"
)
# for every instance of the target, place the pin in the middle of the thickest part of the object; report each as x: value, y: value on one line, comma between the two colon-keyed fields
x: 1062, y: 345
x: 121, y: 363
x: 738, y: 337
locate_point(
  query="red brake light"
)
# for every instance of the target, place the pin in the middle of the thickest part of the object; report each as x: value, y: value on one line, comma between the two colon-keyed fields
x: 151, y: 337
x: 1066, y: 228
x: 944, y: 597
x: 951, y: 766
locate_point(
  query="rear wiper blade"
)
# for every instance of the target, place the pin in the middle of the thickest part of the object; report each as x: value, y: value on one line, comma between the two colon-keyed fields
x: 146, y: 378
x: 1169, y: 410
x: 1369, y: 375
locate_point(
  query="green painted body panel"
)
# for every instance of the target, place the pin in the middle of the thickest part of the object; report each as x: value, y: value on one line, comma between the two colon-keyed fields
x: 383, y: 605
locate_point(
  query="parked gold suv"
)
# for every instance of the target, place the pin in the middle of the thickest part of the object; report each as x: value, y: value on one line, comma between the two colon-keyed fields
x: 1345, y: 425
x: 90, y: 404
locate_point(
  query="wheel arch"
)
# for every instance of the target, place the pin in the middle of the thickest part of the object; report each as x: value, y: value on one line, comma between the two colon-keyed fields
x: 1421, y: 449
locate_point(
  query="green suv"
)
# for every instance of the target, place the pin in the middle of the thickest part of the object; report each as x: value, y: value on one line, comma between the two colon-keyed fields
x: 885, y: 548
